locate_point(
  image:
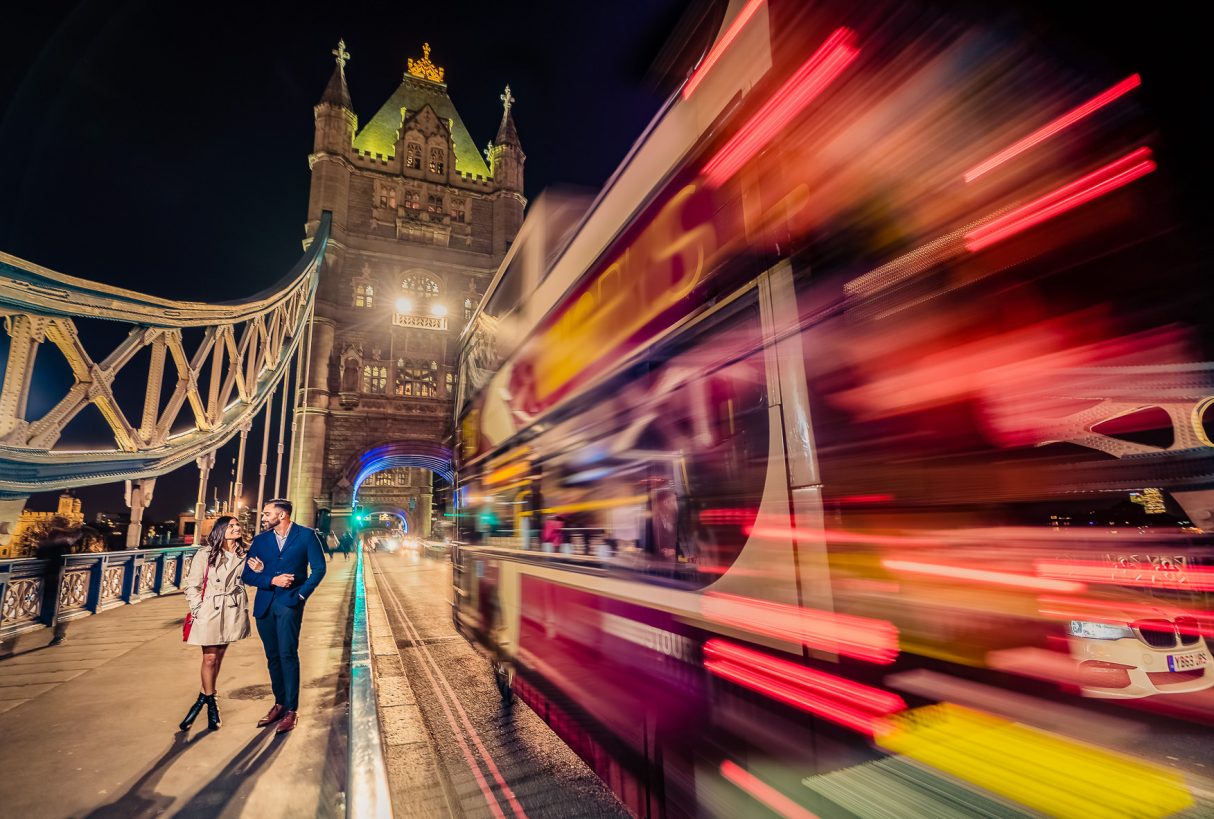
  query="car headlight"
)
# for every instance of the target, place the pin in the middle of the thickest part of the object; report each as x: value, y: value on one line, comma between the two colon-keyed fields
x: 1099, y: 631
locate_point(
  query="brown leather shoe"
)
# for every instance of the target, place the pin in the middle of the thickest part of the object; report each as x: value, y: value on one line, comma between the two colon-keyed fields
x: 287, y: 723
x: 274, y: 715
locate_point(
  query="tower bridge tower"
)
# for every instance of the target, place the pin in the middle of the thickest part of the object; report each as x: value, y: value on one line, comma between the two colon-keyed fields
x: 420, y: 225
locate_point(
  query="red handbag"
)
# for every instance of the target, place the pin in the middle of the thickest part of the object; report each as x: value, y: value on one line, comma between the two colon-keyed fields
x: 189, y: 615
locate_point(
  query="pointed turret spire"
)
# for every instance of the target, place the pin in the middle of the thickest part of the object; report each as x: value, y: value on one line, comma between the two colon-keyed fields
x: 336, y: 92
x: 506, y: 132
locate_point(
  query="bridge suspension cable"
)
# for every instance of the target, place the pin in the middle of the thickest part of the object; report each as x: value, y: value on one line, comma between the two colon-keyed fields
x: 247, y: 346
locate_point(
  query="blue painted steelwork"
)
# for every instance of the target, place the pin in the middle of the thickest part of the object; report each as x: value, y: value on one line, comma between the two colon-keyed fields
x: 253, y: 341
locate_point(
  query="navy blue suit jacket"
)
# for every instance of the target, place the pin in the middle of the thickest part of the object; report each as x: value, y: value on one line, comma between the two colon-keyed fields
x: 301, y: 550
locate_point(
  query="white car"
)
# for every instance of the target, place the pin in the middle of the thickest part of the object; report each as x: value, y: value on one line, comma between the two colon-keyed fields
x: 1141, y: 657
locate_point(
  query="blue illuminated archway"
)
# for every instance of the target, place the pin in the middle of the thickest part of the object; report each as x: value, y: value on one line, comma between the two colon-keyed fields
x: 416, y: 453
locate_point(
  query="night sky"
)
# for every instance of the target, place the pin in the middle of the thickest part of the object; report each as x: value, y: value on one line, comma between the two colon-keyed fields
x: 165, y: 149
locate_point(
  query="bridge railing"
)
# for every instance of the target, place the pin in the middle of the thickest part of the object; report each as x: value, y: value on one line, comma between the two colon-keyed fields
x: 84, y: 584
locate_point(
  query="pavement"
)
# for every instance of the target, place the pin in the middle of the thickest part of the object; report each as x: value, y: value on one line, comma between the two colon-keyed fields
x: 452, y: 748
x: 89, y: 728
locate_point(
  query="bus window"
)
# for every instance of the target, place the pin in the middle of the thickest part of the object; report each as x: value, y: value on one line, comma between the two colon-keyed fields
x: 662, y: 472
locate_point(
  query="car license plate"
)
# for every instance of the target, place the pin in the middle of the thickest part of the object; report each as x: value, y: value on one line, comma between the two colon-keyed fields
x: 1185, y: 662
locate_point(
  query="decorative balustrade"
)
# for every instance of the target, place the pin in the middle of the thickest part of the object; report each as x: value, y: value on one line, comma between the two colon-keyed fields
x: 86, y: 584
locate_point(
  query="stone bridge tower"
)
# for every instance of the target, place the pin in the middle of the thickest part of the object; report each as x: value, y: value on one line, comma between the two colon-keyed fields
x: 420, y: 225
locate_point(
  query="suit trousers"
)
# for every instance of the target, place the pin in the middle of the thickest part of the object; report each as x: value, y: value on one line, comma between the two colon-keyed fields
x: 279, y: 631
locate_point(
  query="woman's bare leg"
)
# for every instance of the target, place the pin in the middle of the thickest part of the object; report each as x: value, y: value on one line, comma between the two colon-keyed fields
x: 210, y: 668
x: 220, y: 651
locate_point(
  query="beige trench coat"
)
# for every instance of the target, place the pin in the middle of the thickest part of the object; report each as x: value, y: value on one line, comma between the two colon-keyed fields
x: 223, y: 617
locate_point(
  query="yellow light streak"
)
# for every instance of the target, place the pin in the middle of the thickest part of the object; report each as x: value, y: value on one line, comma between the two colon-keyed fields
x: 1046, y: 772
x: 589, y: 506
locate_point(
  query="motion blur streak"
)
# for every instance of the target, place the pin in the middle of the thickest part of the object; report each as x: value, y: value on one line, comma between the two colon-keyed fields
x: 721, y: 45
x: 1043, y: 771
x: 1194, y: 578
x: 847, y: 703
x: 760, y: 791
x: 1061, y: 124
x: 807, y: 83
x: 1133, y: 165
x: 983, y: 576
x: 875, y: 641
x: 839, y: 536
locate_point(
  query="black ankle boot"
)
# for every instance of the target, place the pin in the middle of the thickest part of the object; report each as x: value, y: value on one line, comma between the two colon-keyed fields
x: 212, y: 712
x: 192, y: 714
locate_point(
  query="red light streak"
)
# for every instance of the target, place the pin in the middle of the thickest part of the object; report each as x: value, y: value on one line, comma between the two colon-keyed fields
x: 856, y: 500
x: 1021, y: 581
x: 875, y: 641
x: 840, y: 536
x: 1195, y: 578
x: 842, y: 701
x: 763, y: 793
x: 735, y: 28
x: 1104, y: 180
x: 1054, y: 127
x: 727, y: 516
x: 809, y: 80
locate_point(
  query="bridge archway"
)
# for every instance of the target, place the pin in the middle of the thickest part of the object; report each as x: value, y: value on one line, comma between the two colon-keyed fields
x: 409, y: 499
x: 406, y: 452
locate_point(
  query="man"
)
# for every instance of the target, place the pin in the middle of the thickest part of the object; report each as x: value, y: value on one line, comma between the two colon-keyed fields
x: 278, y: 566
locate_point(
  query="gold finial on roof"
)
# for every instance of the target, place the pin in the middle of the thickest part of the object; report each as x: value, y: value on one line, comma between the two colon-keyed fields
x: 425, y: 69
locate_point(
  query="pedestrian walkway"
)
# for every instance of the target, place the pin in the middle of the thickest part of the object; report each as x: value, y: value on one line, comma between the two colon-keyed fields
x: 89, y: 728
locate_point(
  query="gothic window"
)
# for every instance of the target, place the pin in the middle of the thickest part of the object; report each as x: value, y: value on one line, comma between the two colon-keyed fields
x: 414, y: 379
x: 419, y: 286
x: 389, y: 477
x: 438, y: 158
x: 375, y: 378
x: 364, y: 294
x: 450, y: 383
x: 468, y: 308
x: 434, y: 203
x: 457, y: 212
x: 413, y: 200
x: 387, y: 197
x: 413, y: 156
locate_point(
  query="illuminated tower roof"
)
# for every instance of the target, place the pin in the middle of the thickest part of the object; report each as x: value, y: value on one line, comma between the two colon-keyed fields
x: 421, y: 85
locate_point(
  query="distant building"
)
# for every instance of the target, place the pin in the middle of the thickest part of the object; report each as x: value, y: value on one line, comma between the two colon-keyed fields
x: 69, y: 511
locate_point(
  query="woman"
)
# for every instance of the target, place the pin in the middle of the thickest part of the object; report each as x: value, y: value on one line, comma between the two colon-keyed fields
x: 221, y: 610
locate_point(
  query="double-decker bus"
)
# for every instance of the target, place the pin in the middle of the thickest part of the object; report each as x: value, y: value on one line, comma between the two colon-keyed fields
x: 849, y: 454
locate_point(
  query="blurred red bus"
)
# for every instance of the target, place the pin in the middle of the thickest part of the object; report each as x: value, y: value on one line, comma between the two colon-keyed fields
x: 877, y: 358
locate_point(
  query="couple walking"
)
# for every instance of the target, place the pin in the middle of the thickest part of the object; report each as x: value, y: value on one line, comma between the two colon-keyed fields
x: 277, y: 564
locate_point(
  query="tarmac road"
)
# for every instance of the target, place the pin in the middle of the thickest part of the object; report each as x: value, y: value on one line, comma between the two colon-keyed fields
x: 494, y: 760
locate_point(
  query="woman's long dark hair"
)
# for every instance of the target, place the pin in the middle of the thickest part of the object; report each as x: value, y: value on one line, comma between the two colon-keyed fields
x: 216, y: 537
